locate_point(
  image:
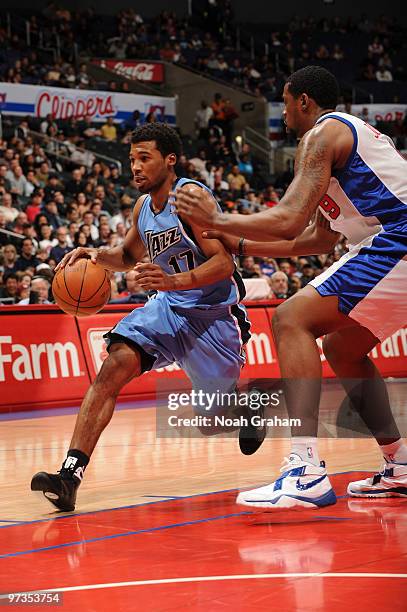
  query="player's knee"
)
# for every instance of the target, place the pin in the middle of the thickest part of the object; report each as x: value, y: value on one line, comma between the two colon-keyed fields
x: 337, y: 350
x: 121, y: 365
x: 284, y: 320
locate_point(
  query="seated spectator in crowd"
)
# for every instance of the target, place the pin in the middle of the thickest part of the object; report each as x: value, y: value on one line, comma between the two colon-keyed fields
x: 46, y: 241
x: 268, y: 266
x: 133, y: 294
x: 62, y: 247
x: 271, y: 197
x: 34, y: 207
x: 279, y: 285
x: 294, y: 285
x: 308, y: 273
x: 51, y: 212
x: 88, y: 221
x: 18, y: 183
x: 285, y: 266
x: 109, y: 130
x: 82, y: 156
x: 236, y: 180
x: 383, y: 74
x: 76, y: 185
x: 104, y: 236
x: 245, y: 165
x: 367, y: 117
x: 9, y: 292
x: 249, y: 268
x: 125, y: 216
x: 9, y: 258
x: 39, y: 291
x: 27, y: 258
x: 7, y: 208
x: 82, y: 238
x: 24, y: 284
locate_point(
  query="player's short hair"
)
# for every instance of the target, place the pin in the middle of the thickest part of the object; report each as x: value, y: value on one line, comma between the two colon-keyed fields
x: 166, y: 138
x: 318, y: 83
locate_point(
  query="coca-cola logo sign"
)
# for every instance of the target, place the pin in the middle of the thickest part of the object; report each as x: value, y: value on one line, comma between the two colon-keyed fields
x: 63, y: 107
x: 141, y: 71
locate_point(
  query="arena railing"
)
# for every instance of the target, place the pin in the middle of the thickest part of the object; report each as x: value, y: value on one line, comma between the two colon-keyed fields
x: 60, y: 146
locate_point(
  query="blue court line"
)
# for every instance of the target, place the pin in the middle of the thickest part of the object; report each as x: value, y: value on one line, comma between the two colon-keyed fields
x: 123, y: 535
x: 159, y: 501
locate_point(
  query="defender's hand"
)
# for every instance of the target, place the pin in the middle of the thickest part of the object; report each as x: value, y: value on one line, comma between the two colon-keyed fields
x: 231, y: 243
x: 79, y: 253
x: 152, y: 276
x: 194, y: 208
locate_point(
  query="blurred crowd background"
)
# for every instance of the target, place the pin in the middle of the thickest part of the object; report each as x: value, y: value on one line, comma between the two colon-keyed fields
x: 57, y: 192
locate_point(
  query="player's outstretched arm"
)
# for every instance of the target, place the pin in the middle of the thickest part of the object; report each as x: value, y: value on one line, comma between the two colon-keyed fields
x: 287, y: 220
x: 118, y: 259
x: 316, y: 239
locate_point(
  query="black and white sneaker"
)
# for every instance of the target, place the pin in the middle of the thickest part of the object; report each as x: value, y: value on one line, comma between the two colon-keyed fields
x: 58, y: 490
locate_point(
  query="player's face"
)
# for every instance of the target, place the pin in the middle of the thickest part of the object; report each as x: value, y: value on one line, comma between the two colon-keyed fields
x: 150, y: 169
x: 291, y: 112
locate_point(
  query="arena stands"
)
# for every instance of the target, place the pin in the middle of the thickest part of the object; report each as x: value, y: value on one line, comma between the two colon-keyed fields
x: 65, y: 183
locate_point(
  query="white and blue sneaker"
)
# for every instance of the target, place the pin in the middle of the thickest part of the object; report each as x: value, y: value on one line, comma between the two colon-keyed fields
x: 390, y: 482
x: 301, y: 485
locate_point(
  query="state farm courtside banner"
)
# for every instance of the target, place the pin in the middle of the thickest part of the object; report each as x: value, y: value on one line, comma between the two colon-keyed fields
x: 39, y: 101
x: 49, y: 358
x: 150, y: 72
x: 376, y: 113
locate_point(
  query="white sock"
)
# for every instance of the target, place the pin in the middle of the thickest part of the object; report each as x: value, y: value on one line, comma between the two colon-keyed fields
x: 395, y: 452
x: 306, y: 448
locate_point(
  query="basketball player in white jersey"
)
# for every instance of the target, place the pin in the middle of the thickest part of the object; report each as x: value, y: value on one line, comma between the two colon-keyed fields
x: 350, y: 180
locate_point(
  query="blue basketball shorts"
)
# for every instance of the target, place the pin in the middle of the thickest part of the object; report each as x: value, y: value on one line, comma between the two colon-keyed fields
x: 371, y: 284
x: 206, y: 343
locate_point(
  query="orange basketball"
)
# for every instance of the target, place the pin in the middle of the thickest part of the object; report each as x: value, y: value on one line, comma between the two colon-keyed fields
x: 81, y: 289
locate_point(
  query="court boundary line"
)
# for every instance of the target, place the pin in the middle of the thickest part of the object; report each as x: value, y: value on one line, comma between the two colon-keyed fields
x: 58, y: 516
x: 112, y: 585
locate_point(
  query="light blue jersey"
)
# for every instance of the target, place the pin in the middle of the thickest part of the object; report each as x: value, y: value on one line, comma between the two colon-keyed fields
x: 171, y: 245
x: 202, y: 330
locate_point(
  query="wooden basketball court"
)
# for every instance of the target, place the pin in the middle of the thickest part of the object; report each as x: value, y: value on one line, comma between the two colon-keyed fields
x: 156, y: 525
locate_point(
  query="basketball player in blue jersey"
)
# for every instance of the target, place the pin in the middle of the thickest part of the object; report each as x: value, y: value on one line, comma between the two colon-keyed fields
x: 195, y: 320
x: 350, y: 180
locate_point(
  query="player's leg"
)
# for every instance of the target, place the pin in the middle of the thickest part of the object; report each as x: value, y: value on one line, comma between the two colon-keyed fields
x: 122, y: 364
x: 347, y: 352
x: 212, y: 355
x: 297, y: 323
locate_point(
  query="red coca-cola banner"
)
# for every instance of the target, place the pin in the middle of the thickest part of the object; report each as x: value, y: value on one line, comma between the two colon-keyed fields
x: 150, y: 72
x: 49, y: 358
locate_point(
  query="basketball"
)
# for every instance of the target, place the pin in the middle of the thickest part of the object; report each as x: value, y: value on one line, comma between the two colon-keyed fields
x: 81, y: 289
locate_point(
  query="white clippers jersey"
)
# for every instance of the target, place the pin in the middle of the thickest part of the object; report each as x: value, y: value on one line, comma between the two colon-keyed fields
x: 369, y: 195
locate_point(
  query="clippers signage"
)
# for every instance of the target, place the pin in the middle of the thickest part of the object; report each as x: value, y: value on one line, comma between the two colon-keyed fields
x: 139, y: 71
x: 63, y: 103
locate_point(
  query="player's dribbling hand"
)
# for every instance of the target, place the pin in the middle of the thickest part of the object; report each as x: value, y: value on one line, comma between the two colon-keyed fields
x: 195, y: 208
x: 231, y: 243
x: 79, y: 253
x: 150, y: 276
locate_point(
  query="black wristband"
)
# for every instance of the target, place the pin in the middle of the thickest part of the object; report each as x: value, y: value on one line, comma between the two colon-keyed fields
x: 241, y: 254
